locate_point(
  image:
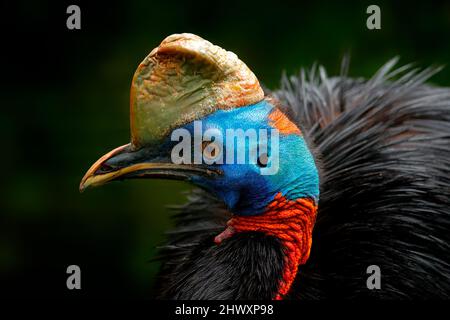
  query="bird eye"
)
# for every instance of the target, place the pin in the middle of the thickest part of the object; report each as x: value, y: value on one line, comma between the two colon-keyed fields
x: 210, y: 150
x: 263, y: 159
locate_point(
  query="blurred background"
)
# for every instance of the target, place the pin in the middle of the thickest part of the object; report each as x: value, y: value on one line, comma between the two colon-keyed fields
x: 64, y: 103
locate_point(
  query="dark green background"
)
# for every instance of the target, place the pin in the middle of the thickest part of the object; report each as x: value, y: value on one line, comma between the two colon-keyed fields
x: 64, y: 102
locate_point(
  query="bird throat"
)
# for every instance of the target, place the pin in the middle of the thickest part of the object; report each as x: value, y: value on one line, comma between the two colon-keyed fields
x: 292, y: 222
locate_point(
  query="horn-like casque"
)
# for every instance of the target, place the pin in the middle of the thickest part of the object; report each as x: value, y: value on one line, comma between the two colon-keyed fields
x: 182, y: 80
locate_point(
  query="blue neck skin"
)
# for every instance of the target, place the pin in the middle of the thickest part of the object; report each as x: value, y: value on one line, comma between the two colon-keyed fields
x: 242, y: 187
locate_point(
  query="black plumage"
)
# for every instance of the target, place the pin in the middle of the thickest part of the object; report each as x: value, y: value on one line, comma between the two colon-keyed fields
x: 383, y: 146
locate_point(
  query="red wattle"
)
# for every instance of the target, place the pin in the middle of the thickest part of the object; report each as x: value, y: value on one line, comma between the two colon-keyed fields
x: 292, y: 222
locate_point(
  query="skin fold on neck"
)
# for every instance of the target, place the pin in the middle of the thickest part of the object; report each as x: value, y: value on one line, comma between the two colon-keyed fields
x: 292, y: 222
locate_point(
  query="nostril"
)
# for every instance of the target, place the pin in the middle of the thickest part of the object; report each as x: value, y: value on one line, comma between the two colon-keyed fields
x: 104, y: 168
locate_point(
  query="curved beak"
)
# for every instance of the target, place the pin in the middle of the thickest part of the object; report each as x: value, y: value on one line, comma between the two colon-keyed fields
x: 126, y: 163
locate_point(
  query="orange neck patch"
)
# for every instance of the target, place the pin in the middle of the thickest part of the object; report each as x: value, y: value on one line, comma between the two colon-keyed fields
x: 278, y: 120
x: 290, y: 221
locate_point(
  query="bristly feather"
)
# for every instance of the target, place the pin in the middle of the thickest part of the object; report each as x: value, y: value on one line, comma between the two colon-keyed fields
x: 383, y: 146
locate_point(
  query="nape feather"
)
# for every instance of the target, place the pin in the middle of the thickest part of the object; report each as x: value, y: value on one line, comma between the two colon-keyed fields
x: 383, y: 148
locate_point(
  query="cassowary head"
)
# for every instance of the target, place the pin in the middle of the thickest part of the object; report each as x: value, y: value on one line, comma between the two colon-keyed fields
x: 199, y: 114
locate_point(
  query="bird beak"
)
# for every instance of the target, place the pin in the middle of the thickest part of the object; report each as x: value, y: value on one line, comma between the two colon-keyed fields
x: 126, y: 163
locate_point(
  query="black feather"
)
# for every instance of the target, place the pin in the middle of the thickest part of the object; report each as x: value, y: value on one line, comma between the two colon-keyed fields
x: 383, y: 145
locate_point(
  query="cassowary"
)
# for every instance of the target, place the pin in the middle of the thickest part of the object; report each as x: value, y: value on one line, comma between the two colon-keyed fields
x: 363, y: 178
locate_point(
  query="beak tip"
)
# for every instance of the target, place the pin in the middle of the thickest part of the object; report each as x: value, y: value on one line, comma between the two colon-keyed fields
x: 82, y: 186
x: 90, y: 179
x: 84, y: 183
